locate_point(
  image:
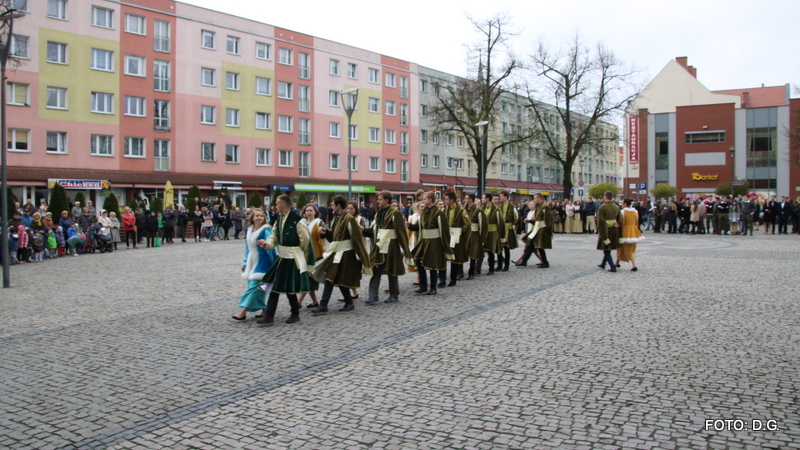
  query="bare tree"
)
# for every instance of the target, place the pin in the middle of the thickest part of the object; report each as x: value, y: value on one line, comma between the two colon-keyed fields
x: 577, y: 89
x: 466, y: 102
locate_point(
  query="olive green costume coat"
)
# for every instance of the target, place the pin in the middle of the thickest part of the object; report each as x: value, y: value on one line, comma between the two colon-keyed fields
x: 433, y: 253
x: 477, y: 237
x: 347, y: 272
x: 496, y: 225
x: 510, y: 219
x: 284, y: 273
x: 458, y: 221
x: 392, y: 260
x: 544, y: 237
x: 607, y: 216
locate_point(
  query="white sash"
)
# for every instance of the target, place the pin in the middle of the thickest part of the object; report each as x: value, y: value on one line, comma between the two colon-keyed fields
x: 475, y: 227
x: 455, y: 236
x: 295, y: 253
x: 338, y: 247
x: 385, y: 236
x: 431, y: 233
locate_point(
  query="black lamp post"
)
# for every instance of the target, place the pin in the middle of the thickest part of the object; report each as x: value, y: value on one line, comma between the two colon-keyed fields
x: 732, y: 151
x: 482, y: 180
x: 349, y: 101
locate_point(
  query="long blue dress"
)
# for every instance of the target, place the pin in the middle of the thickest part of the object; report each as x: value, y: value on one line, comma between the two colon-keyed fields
x: 256, y: 262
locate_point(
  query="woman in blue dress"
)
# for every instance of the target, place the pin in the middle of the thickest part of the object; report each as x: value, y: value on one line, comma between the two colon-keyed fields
x: 255, y: 264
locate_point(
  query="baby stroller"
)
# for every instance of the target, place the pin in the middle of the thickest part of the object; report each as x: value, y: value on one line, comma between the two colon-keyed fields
x: 102, y: 238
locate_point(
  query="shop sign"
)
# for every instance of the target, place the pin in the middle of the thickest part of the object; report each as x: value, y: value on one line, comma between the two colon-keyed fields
x: 282, y: 187
x: 697, y: 177
x: 633, y: 140
x: 78, y: 184
x: 333, y: 188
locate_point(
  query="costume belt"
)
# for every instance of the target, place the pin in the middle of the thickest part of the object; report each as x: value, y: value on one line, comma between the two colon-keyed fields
x: 434, y: 233
x: 385, y: 236
x: 492, y: 227
x: 338, y: 247
x: 295, y: 253
x: 475, y: 227
x: 455, y: 236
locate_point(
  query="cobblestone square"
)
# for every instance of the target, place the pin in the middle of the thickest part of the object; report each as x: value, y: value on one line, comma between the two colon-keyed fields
x: 136, y: 349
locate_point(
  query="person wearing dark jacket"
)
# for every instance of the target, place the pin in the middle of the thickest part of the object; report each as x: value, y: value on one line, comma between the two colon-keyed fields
x: 236, y: 218
x: 141, y: 222
x: 168, y: 222
x: 151, y: 228
x: 85, y: 220
x: 183, y: 220
x: 225, y: 221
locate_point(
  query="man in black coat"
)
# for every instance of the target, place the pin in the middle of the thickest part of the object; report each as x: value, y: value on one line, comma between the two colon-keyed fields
x: 784, y: 212
x: 140, y: 225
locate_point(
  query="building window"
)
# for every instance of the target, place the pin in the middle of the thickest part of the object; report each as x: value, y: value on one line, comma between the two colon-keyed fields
x: 284, y: 90
x: 374, y: 164
x: 263, y: 51
x: 161, y: 115
x: 353, y: 132
x: 435, y: 161
x: 403, y: 142
x: 450, y: 139
x: 134, y: 65
x: 390, y: 137
x: 423, y: 110
x: 134, y: 106
x: 404, y: 114
x: 503, y: 169
x: 263, y: 157
x: 333, y: 130
x: 423, y: 85
x: 102, y: 103
x: 305, y: 165
x: 57, y: 9
x: 232, y: 153
x: 404, y: 171
x: 56, y: 98
x: 390, y: 82
x: 232, y: 81
x: 373, y: 75
x: 334, y: 161
x: 333, y: 98
x: 207, y: 39
x: 352, y: 71
x: 102, y: 17
x: 285, y: 56
x: 705, y: 137
x: 56, y: 142
x: 134, y: 147
x: 135, y: 24
x: 390, y: 166
x: 460, y: 141
x: 403, y: 87
x: 161, y: 76
x: 304, y: 131
x: 18, y: 140
x: 374, y: 134
x: 263, y: 86
x: 161, y: 155
x: 285, y: 158
x: 304, y: 66
x: 493, y: 168
x: 233, y: 45
x: 207, y: 115
x: 102, y: 145
x: 102, y: 60
x: 423, y: 160
x: 231, y: 117
x: 390, y: 108
x: 334, y: 67
x: 423, y: 136
x: 435, y: 138
x: 57, y: 52
x: 285, y: 124
x: 208, y: 152
x: 304, y: 98
x: 161, y: 36
x: 263, y: 120
x: 206, y: 76
x: 354, y: 163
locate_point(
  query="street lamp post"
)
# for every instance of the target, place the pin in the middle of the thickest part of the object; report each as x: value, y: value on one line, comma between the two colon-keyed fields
x: 349, y: 101
x: 733, y: 167
x: 5, y: 52
x: 482, y: 181
x: 580, y: 162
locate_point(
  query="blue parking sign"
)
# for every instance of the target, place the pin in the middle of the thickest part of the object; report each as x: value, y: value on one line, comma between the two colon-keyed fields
x: 642, y: 186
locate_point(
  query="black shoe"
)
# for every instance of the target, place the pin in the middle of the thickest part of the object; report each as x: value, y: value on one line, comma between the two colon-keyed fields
x: 505, y: 269
x: 421, y: 290
x: 491, y: 272
x: 416, y: 284
x: 347, y: 307
x: 521, y: 264
x: 451, y: 283
x: 441, y: 284
x: 602, y: 266
x: 543, y: 266
x: 313, y: 305
x: 293, y: 318
x: 471, y: 277
x: 432, y: 292
x: 612, y: 270
x: 238, y: 318
x: 635, y: 269
x: 498, y: 269
x: 617, y: 265
x: 319, y: 310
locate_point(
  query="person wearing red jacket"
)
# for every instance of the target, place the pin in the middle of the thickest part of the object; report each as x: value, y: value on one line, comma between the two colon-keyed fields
x: 129, y: 225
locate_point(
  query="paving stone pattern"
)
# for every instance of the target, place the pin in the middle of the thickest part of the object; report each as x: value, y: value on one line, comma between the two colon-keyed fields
x: 136, y: 349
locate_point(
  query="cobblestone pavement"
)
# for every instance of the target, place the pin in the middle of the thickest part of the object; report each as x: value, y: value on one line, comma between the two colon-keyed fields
x: 136, y: 349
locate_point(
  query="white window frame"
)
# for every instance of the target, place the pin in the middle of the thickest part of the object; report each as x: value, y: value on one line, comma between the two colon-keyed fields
x: 97, y: 140
x: 106, y: 57
x: 139, y: 24
x: 374, y: 134
x: 161, y: 83
x: 204, y: 146
x: 404, y: 114
x: 127, y: 148
x: 404, y: 171
x: 205, y: 111
x: 374, y: 75
x: 161, y: 36
x: 207, y: 71
x: 232, y: 117
x: 334, y: 130
x: 102, y: 103
x: 285, y: 158
x: 423, y: 85
x: 303, y: 98
x: 435, y: 161
x: 403, y: 87
x: 233, y: 81
x: 423, y: 160
x: 161, y: 115
x: 333, y: 67
x: 333, y: 98
x: 304, y: 66
x: 423, y: 110
x: 352, y: 71
x: 107, y: 16
x: 354, y: 163
x: 285, y: 90
x: 374, y: 164
x: 161, y: 163
x: 264, y: 155
x: 140, y: 65
x: 135, y: 106
x: 404, y: 142
x: 373, y: 105
x: 353, y: 130
x: 285, y: 56
x: 208, y: 39
x: 233, y: 45
x: 423, y: 136
x: 264, y: 51
x: 391, y: 165
x: 264, y: 119
x: 304, y: 165
x: 57, y: 9
x: 13, y: 140
x: 334, y: 162
x: 391, y: 80
x: 435, y: 138
x: 391, y: 108
x: 232, y: 154
x: 304, y: 131
x: 61, y: 50
x: 264, y: 82
x: 60, y: 96
x: 61, y: 142
x: 285, y: 124
x: 390, y: 136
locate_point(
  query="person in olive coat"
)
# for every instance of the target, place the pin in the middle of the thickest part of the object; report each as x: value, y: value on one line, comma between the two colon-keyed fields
x: 608, y: 230
x: 433, y: 249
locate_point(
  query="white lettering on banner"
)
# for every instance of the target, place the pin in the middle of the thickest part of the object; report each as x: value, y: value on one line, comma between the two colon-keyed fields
x: 633, y: 140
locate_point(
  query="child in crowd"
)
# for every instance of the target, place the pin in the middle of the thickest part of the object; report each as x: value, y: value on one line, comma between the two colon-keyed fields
x: 38, y: 244
x: 22, y: 244
x: 62, y: 242
x: 13, y: 246
x: 52, y: 244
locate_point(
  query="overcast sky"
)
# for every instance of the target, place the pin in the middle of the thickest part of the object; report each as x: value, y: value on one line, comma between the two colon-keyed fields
x: 733, y: 43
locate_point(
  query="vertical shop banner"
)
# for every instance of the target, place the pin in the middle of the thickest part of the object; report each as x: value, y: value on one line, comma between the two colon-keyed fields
x: 633, y: 140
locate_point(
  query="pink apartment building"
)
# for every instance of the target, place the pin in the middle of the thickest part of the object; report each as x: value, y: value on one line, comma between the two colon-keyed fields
x: 150, y: 91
